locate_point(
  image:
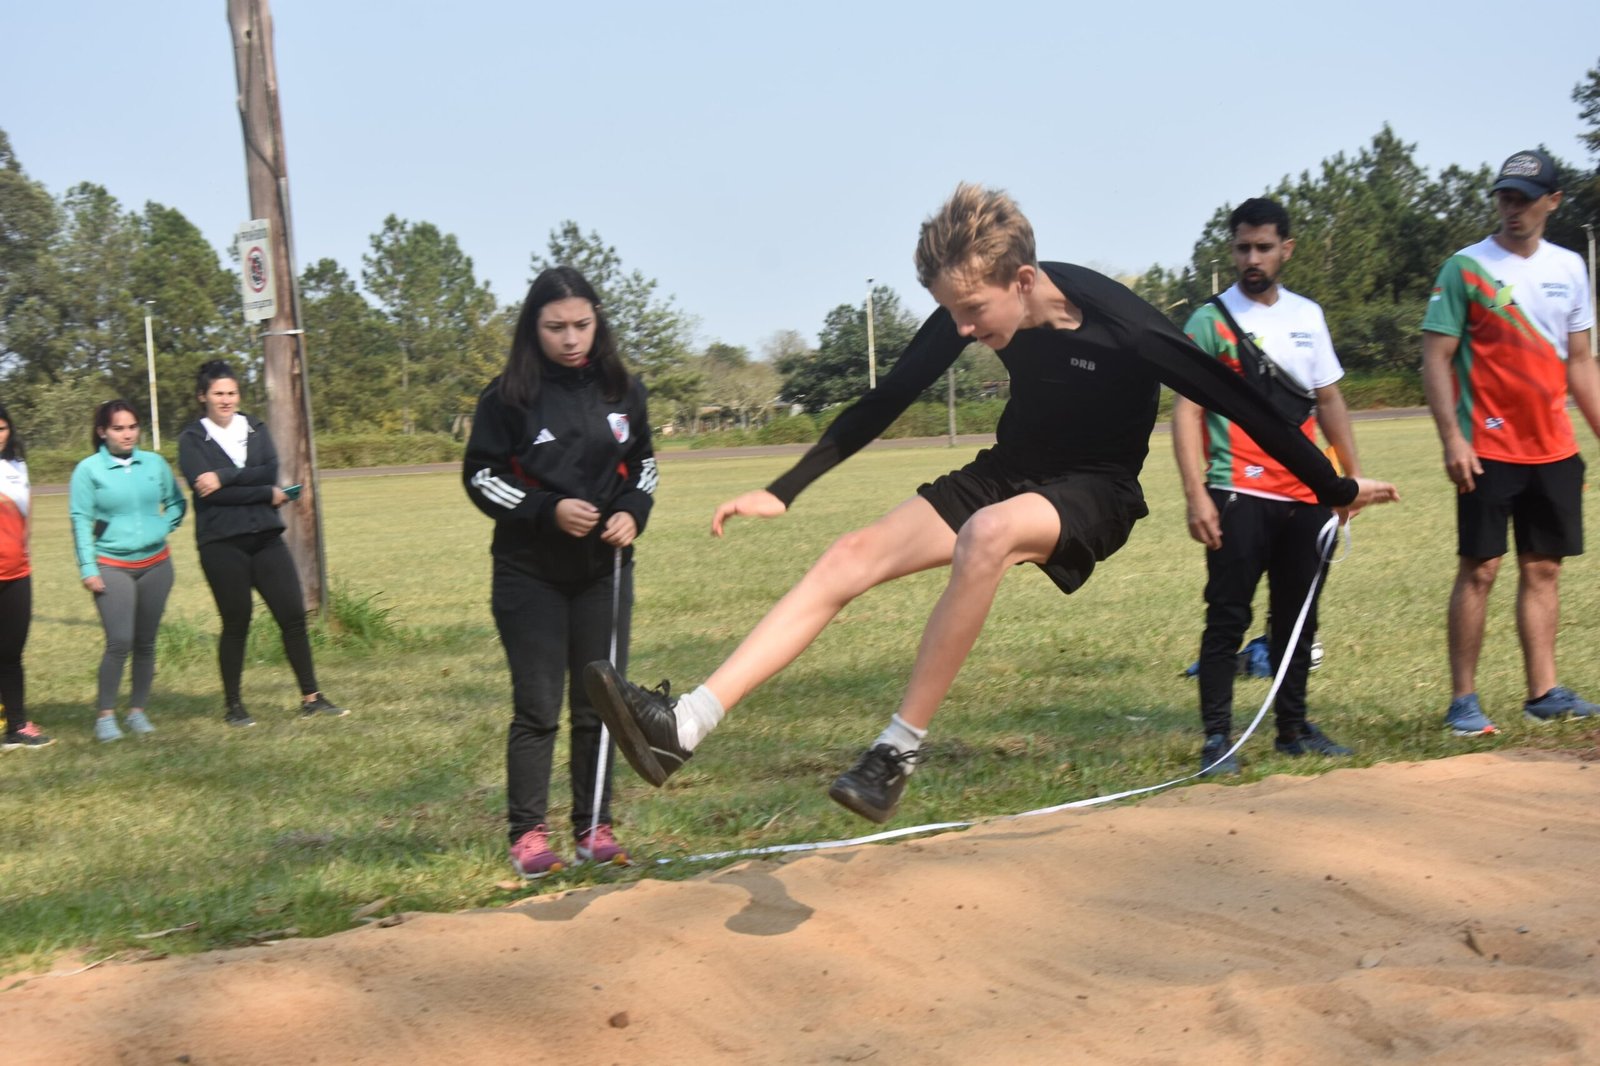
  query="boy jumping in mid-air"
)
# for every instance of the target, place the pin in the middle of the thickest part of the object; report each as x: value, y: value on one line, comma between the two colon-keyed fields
x: 1059, y: 489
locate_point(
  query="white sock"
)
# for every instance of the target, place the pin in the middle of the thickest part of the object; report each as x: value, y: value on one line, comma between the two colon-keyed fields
x: 901, y: 735
x: 698, y: 714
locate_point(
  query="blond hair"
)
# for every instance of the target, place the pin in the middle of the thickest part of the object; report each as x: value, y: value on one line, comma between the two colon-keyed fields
x: 980, y: 231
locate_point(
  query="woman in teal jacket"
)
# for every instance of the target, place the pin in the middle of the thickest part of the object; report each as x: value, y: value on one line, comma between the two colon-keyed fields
x: 124, y: 504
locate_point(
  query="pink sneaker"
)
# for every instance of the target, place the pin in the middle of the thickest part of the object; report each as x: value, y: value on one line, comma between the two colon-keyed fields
x: 600, y: 846
x: 532, y: 857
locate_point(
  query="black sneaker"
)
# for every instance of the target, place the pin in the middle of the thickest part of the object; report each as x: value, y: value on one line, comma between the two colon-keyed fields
x: 872, y: 787
x: 1312, y: 742
x: 1212, y: 763
x: 237, y: 715
x: 322, y: 707
x: 641, y: 720
x: 26, y: 736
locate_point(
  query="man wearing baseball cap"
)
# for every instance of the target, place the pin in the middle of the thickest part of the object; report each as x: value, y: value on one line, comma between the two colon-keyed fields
x: 1505, y: 338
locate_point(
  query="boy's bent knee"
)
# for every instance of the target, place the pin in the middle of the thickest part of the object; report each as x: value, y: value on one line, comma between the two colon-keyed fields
x: 995, y: 537
x: 851, y: 560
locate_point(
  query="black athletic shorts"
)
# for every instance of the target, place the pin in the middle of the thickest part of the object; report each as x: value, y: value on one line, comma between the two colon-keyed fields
x: 1543, y: 500
x: 1097, y: 512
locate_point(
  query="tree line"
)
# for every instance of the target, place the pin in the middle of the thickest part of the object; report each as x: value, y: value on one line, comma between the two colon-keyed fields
x: 1371, y: 232
x: 404, y: 343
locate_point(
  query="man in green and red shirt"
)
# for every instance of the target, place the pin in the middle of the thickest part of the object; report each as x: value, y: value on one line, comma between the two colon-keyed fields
x: 1506, y: 336
x: 1250, y: 512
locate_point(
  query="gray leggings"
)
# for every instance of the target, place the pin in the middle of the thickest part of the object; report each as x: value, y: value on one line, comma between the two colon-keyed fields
x: 130, y: 610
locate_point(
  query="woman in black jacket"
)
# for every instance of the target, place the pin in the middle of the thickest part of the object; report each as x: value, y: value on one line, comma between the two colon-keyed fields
x: 229, y: 461
x: 560, y: 458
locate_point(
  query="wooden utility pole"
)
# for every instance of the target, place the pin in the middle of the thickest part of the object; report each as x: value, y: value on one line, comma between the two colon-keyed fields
x: 288, y: 390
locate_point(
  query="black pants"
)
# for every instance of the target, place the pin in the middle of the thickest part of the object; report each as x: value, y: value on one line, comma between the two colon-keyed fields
x: 259, y: 561
x: 1278, y: 538
x: 16, y: 612
x: 551, y: 630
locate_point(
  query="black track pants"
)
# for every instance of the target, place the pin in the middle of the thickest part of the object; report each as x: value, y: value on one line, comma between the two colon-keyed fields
x: 16, y: 613
x: 1277, y: 538
x: 551, y: 631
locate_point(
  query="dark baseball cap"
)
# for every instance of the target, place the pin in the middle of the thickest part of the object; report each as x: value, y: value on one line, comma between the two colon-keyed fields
x: 1532, y: 173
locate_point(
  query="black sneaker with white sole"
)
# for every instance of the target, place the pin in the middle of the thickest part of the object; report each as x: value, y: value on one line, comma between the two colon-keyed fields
x: 237, y: 716
x: 872, y: 787
x: 321, y: 707
x: 641, y: 720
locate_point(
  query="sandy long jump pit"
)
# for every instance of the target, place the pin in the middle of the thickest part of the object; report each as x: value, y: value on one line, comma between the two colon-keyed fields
x: 1438, y: 912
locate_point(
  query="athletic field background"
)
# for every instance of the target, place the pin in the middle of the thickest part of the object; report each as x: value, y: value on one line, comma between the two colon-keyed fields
x: 295, y: 828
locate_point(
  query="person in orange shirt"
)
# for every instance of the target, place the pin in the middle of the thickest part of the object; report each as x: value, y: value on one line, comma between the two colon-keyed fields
x: 1505, y: 338
x: 16, y: 589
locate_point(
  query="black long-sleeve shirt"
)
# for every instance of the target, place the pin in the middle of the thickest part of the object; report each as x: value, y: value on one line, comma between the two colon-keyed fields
x: 1082, y: 400
x: 572, y: 443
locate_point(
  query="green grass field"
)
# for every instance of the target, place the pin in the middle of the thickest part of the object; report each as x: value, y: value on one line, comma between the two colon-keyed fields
x: 297, y: 825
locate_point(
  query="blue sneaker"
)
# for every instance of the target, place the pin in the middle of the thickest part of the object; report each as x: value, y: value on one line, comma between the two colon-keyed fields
x: 105, y: 729
x: 1558, y: 703
x: 1212, y: 763
x: 1466, y: 719
x: 139, y: 723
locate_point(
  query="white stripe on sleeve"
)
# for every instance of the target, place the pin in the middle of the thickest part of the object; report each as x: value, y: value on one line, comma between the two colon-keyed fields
x: 497, y: 490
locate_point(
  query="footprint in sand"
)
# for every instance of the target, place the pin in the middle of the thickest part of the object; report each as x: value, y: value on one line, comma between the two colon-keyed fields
x: 770, y: 912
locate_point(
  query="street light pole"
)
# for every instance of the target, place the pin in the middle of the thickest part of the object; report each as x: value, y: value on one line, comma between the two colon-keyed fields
x: 150, y: 365
x: 872, y: 352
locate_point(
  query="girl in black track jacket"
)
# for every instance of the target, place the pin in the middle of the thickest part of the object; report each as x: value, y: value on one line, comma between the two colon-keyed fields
x: 560, y: 458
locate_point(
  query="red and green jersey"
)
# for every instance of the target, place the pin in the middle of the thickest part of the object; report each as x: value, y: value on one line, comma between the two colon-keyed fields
x: 1513, y: 315
x: 1293, y: 332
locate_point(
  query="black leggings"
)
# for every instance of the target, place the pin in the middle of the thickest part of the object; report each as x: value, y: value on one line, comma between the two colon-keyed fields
x: 261, y: 561
x: 16, y: 612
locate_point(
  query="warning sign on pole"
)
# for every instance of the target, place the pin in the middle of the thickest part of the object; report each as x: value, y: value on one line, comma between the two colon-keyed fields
x: 255, y: 270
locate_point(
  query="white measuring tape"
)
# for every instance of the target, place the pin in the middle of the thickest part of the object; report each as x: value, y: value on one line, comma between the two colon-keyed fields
x: 1327, y: 537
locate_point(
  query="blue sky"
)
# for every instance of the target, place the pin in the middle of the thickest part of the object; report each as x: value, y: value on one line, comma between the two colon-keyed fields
x: 762, y: 161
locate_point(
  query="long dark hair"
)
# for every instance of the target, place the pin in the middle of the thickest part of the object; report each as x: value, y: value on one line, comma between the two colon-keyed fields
x: 519, y: 382
x: 102, y: 420
x: 14, y: 448
x: 209, y: 374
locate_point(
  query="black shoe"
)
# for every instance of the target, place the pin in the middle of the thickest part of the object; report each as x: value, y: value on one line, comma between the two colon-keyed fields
x: 26, y: 736
x: 641, y: 720
x: 872, y: 787
x: 1212, y: 763
x: 1312, y: 741
x: 322, y: 707
x: 237, y: 715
